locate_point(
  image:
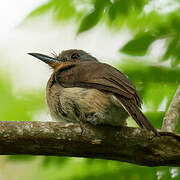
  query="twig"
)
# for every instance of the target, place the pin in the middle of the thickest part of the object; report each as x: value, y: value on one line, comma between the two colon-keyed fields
x: 172, y: 115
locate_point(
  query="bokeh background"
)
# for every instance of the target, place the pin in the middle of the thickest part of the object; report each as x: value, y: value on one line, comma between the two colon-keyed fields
x: 141, y: 38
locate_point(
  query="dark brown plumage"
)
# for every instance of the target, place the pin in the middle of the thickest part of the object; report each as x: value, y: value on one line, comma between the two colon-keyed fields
x: 76, y: 68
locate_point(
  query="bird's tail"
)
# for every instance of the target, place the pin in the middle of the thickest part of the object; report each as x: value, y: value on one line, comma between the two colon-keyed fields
x: 136, y: 114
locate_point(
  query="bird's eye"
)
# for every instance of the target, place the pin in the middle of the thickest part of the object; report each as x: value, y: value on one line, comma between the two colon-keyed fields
x: 74, y: 56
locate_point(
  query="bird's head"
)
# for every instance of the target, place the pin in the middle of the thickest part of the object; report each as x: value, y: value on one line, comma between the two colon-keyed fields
x: 71, y: 55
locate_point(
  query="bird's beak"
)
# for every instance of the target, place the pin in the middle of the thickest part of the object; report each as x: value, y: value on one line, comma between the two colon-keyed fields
x: 45, y: 58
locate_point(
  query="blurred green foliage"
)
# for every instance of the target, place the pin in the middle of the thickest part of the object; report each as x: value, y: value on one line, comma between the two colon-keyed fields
x: 99, y: 169
x: 64, y: 168
x: 156, y: 82
x: 18, y: 106
x: 146, y: 24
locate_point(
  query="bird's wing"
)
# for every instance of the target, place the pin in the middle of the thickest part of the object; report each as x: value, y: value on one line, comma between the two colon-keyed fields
x: 99, y: 76
x: 104, y: 77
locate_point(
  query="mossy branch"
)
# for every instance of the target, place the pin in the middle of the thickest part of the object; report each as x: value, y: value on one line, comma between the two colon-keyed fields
x: 125, y: 144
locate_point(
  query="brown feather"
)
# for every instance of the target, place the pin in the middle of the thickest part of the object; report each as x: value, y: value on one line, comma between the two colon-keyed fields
x: 104, y: 77
x: 98, y: 74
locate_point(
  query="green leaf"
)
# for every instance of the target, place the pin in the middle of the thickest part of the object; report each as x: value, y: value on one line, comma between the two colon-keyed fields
x: 118, y: 8
x: 89, y: 21
x: 41, y: 10
x: 124, y: 8
x: 139, y: 45
x: 92, y: 18
x: 63, y: 9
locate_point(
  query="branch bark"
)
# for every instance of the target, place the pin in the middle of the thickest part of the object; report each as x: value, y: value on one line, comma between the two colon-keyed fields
x: 125, y: 144
x: 171, y: 117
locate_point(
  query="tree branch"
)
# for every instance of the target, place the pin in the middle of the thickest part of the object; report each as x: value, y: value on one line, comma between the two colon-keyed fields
x: 171, y: 117
x: 125, y: 144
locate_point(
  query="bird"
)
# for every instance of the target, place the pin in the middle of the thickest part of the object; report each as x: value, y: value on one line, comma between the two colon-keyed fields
x: 83, y: 89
